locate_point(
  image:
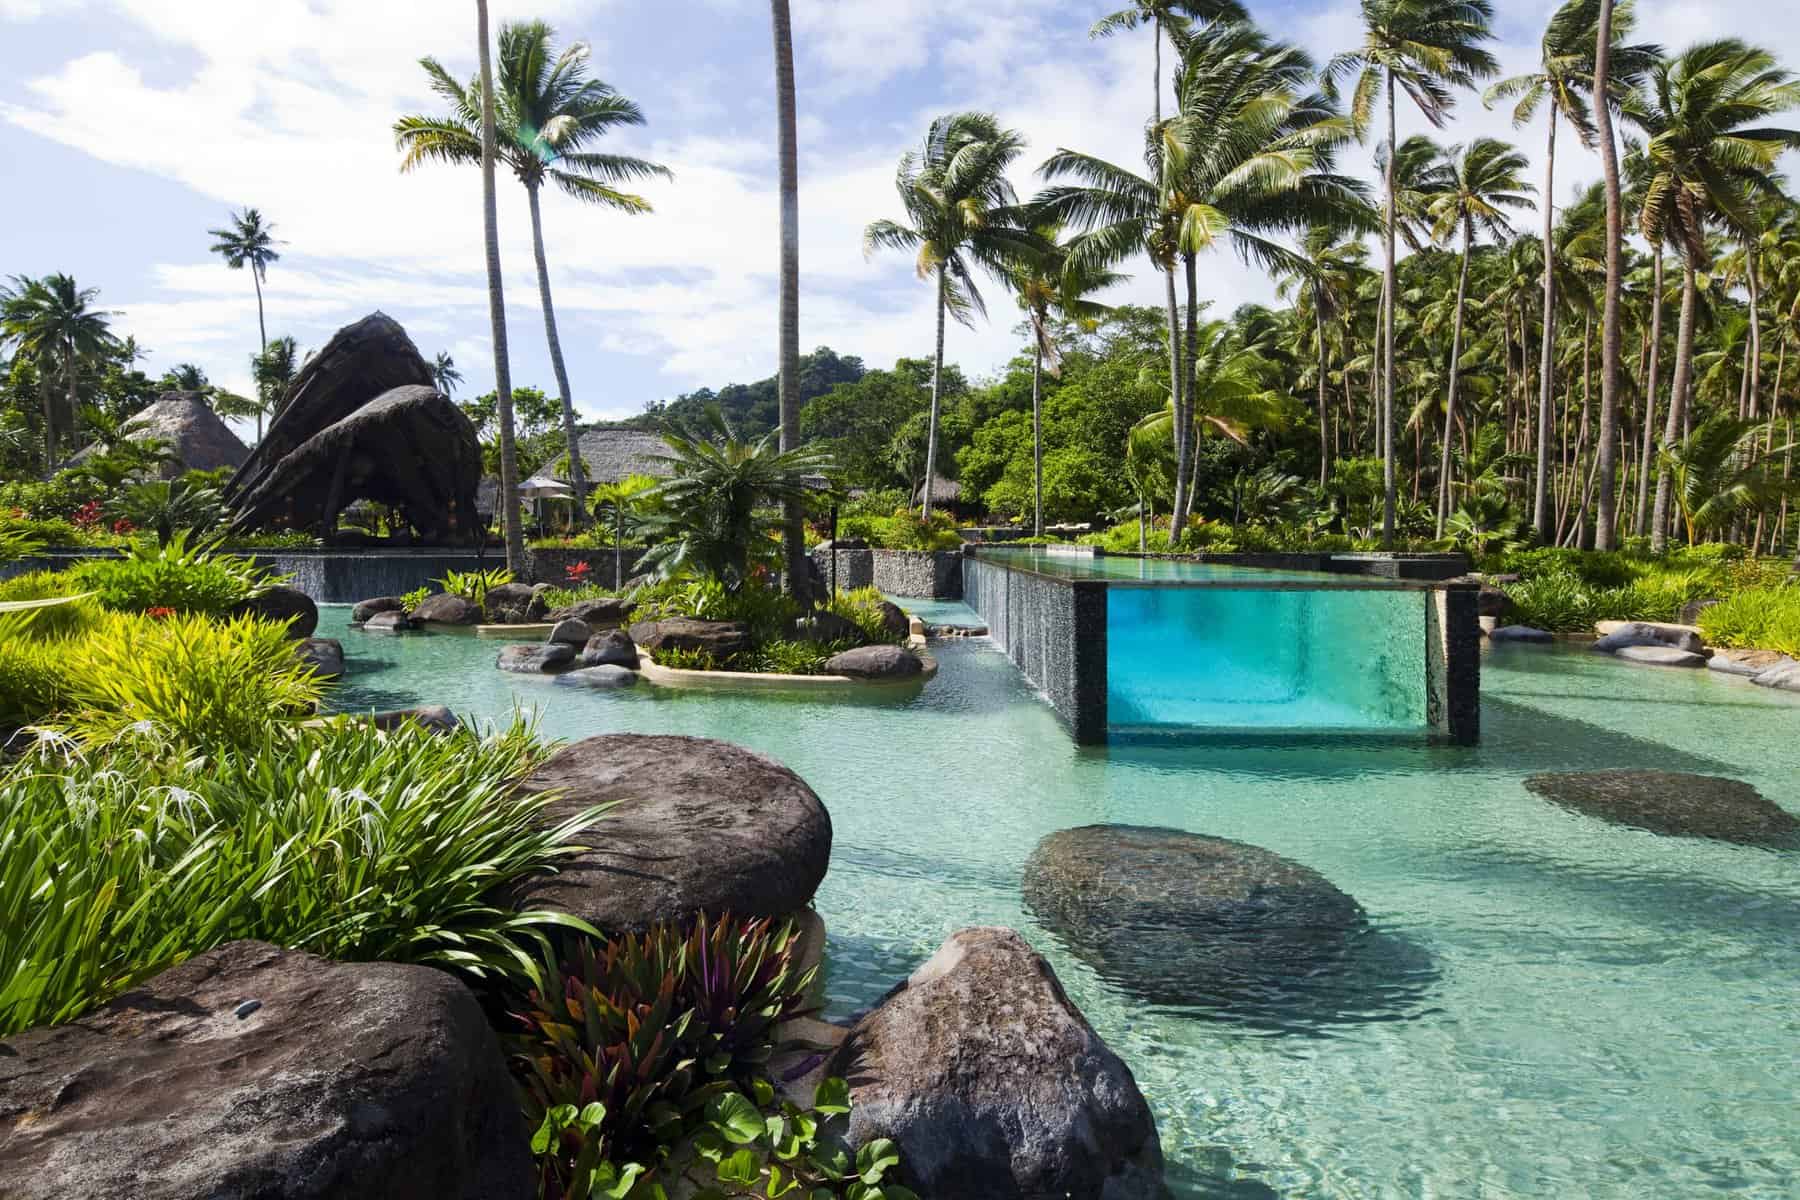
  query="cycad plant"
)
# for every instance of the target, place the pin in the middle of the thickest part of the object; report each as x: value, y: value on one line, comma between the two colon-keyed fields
x: 961, y: 213
x: 548, y: 115
x: 719, y: 507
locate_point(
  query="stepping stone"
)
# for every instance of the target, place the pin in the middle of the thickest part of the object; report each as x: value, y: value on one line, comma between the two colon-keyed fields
x: 598, y: 677
x: 1671, y: 803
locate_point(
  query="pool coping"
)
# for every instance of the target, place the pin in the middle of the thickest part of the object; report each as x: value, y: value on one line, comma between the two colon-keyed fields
x: 1324, y: 581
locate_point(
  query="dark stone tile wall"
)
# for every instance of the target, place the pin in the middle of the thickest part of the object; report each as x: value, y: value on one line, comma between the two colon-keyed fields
x: 1055, y: 633
x: 917, y: 574
x: 1453, y: 664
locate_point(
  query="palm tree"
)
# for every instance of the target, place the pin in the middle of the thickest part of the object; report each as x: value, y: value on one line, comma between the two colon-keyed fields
x: 273, y: 370
x: 788, y: 395
x: 1479, y: 184
x: 1325, y: 287
x: 548, y: 113
x: 1159, y: 15
x: 1046, y: 281
x: 955, y: 194
x: 1427, y: 48
x: 49, y: 321
x: 622, y: 500
x: 1716, y: 476
x: 509, y: 452
x: 715, y: 495
x: 444, y: 373
x: 1708, y: 157
x: 249, y: 242
x: 1563, y: 85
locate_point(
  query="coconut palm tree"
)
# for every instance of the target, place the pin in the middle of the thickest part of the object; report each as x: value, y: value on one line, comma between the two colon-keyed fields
x: 1427, y: 48
x: 1563, y: 86
x: 249, y: 241
x: 273, y: 370
x: 548, y: 113
x: 444, y: 373
x: 1716, y: 477
x: 509, y: 451
x: 51, y: 322
x: 1709, y: 157
x: 960, y: 206
x: 788, y: 319
x: 1048, y: 281
x: 1161, y: 15
x: 1480, y: 183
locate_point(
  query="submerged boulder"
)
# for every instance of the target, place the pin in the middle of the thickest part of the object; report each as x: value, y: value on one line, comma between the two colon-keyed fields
x: 1182, y: 918
x: 721, y: 639
x: 602, y: 677
x: 701, y: 825
x: 1672, y: 803
x: 324, y: 655
x: 992, y: 1084
x: 610, y: 648
x: 526, y: 659
x: 1660, y: 656
x: 880, y: 661
x: 251, y: 1071
x: 1520, y: 633
x: 282, y: 605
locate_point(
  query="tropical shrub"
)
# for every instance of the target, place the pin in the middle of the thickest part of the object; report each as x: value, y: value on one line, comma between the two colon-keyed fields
x: 1760, y: 618
x: 862, y: 607
x: 474, y: 586
x: 649, y: 1027
x: 790, y: 656
x: 903, y: 530
x: 186, y: 577
x: 760, y: 1148
x: 166, y: 507
x: 338, y: 838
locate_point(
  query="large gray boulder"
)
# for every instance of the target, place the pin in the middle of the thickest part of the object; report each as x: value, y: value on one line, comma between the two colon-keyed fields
x: 393, y: 621
x: 1181, y: 918
x: 992, y: 1084
x: 881, y: 661
x: 437, y: 718
x: 1783, y: 676
x: 610, y: 648
x: 446, y: 608
x: 721, y: 639
x: 894, y: 621
x: 572, y: 630
x: 380, y: 604
x: 1648, y: 633
x: 324, y: 655
x: 1660, y: 656
x: 1671, y: 803
x: 515, y: 604
x: 526, y: 659
x: 700, y: 825
x: 255, y: 1073
x: 282, y: 605
x: 829, y: 627
x: 1746, y: 664
x: 603, y: 612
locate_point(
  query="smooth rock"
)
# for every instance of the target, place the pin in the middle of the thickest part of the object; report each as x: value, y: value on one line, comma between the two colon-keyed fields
x: 829, y: 627
x: 1183, y: 918
x: 1671, y: 803
x: 436, y: 717
x: 393, y: 621
x: 880, y: 661
x: 324, y: 655
x: 610, y: 648
x: 1520, y: 633
x: 721, y: 639
x: 1745, y: 663
x: 1660, y: 656
x: 283, y: 605
x: 527, y: 659
x: 572, y: 630
x: 894, y: 621
x: 380, y: 604
x: 514, y: 604
x: 1785, y: 677
x: 1648, y: 633
x: 337, y: 1079
x: 598, y: 677
x: 992, y: 1084
x: 702, y: 825
x: 445, y: 608
x: 603, y: 612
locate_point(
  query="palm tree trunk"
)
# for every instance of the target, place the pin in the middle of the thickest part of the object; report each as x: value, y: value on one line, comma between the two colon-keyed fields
x: 937, y: 392
x: 1456, y: 332
x: 788, y: 383
x: 1540, y: 508
x: 1037, y: 439
x: 262, y: 333
x: 1649, y: 451
x: 1387, y: 336
x: 1178, y: 406
x: 1769, y: 433
x: 509, y: 452
x: 1189, y: 444
x: 1156, y: 68
x: 577, y: 476
x: 1684, y: 369
x: 72, y: 378
x: 1605, y: 512
x: 1324, y: 436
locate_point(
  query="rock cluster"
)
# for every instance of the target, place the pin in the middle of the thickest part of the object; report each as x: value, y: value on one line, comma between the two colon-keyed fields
x: 721, y: 639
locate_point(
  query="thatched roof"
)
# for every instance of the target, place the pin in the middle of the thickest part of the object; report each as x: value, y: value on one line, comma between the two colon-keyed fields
x: 196, y: 436
x: 943, y: 490
x: 609, y: 455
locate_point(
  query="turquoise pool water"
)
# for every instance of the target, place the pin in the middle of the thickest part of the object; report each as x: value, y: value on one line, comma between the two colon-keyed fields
x: 1568, y: 1009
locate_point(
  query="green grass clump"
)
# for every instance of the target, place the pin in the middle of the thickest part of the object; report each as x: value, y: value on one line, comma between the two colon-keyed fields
x: 337, y: 839
x: 182, y: 577
x: 1761, y: 618
x: 862, y: 608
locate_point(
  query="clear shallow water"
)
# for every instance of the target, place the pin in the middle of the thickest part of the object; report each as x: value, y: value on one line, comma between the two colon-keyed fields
x: 1067, y: 565
x: 1569, y: 1008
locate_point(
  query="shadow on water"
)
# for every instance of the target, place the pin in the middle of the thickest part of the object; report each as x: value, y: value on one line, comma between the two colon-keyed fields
x: 1212, y: 1176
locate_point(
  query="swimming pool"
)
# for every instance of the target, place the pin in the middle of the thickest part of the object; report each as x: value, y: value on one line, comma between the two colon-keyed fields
x: 1572, y: 1009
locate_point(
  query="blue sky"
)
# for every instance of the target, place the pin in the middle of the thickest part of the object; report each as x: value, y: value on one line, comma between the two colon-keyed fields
x: 132, y: 126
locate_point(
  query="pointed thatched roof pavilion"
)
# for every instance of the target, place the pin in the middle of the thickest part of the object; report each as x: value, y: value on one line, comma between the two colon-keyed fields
x: 196, y: 435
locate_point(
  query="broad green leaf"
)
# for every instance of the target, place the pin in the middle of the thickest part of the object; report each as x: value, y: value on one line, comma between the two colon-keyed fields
x: 734, y: 1116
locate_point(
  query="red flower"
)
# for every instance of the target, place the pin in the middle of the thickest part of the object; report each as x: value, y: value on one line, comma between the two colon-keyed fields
x: 123, y: 526
x: 87, y: 515
x: 159, y: 612
x: 578, y: 572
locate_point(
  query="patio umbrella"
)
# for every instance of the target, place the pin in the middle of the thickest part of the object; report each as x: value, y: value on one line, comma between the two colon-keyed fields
x: 540, y: 488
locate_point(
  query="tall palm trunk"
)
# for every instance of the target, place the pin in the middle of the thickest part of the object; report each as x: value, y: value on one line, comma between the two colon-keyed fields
x: 509, y: 452
x: 1189, y: 443
x: 1387, y: 357
x: 1178, y: 402
x: 577, y: 476
x: 793, y: 532
x: 1540, y: 507
x: 1037, y: 437
x: 1649, y: 452
x: 1684, y: 369
x: 71, y: 374
x: 1605, y: 514
x: 1324, y: 437
x: 262, y: 333
x: 1456, y: 326
x: 937, y: 393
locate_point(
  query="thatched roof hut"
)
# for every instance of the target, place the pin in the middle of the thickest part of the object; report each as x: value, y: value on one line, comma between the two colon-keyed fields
x: 608, y: 455
x: 194, y: 433
x: 943, y: 491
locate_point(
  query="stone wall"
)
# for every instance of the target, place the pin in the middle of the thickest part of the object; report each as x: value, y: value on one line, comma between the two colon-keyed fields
x: 915, y: 574
x: 1054, y: 630
x: 551, y: 565
x: 1453, y: 664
